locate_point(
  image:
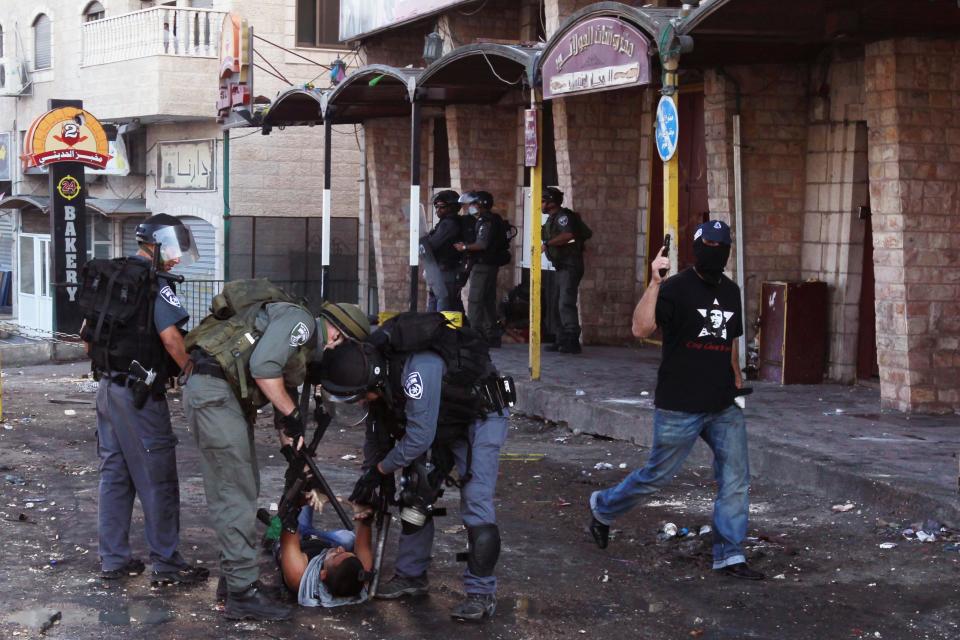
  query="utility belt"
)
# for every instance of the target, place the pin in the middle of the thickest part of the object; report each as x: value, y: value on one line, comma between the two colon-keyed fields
x: 141, y: 390
x: 497, y: 393
x: 205, y: 365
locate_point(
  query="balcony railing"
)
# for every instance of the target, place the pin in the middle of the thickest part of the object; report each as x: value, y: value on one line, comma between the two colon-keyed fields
x: 185, y: 32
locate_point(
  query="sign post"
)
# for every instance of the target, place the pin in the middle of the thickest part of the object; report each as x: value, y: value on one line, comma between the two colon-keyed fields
x: 534, y: 160
x: 65, y: 140
x: 667, y: 135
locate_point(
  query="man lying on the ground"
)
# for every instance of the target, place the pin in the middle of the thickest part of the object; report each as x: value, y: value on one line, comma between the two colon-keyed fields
x: 323, y: 575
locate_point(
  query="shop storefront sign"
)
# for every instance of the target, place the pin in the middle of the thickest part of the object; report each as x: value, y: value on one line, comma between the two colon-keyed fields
x: 67, y: 134
x: 235, y: 75
x: 186, y: 165
x: 597, y: 54
x: 66, y: 140
x: 530, y: 142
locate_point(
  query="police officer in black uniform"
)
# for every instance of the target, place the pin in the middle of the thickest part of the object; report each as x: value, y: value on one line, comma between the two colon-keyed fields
x: 440, y: 242
x: 565, y: 251
x: 135, y: 440
x: 488, y: 252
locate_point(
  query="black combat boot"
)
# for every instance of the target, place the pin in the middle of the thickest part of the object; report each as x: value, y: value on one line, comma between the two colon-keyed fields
x: 570, y: 343
x: 253, y: 604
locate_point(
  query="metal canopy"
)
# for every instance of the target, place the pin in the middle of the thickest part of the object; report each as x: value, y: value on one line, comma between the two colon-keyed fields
x: 295, y: 107
x: 751, y: 31
x: 651, y: 20
x: 374, y: 91
x: 104, y: 206
x: 478, y: 74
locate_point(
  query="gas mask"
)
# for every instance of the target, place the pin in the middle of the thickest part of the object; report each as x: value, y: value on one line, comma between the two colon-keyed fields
x: 711, y: 260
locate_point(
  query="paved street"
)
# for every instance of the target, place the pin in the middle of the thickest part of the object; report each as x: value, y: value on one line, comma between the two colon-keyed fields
x: 828, y: 577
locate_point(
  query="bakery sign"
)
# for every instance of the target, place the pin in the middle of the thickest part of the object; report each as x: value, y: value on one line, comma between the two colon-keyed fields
x: 66, y: 134
x: 596, y: 54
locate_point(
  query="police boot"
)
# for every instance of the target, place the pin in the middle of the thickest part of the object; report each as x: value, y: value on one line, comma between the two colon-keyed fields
x: 555, y: 345
x: 475, y: 607
x: 570, y: 343
x: 253, y: 604
x: 399, y: 586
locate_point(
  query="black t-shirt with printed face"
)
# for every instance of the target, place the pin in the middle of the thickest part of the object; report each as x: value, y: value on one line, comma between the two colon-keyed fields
x: 699, y: 322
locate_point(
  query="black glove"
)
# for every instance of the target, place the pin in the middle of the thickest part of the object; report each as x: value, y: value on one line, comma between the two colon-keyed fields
x: 292, y: 425
x: 364, y: 492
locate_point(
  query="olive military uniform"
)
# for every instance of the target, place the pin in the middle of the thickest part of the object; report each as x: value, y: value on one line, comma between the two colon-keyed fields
x: 223, y: 429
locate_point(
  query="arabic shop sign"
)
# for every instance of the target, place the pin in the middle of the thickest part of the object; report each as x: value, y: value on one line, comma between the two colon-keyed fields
x: 186, y: 165
x: 235, y: 75
x: 596, y: 55
x: 67, y: 134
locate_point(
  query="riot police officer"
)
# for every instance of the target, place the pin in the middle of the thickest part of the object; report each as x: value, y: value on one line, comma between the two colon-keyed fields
x: 445, y: 295
x: 488, y: 252
x: 270, y: 339
x: 565, y: 250
x: 132, y: 320
x: 457, y: 413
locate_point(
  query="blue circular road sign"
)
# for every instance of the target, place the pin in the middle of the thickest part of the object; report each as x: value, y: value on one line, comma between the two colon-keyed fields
x: 668, y: 128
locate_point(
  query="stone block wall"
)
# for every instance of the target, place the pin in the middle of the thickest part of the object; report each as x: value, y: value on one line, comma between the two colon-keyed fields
x: 774, y: 138
x: 912, y: 106
x: 598, y: 140
x: 836, y: 186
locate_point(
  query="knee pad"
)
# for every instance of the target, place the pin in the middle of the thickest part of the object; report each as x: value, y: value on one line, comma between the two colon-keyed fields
x: 483, y: 549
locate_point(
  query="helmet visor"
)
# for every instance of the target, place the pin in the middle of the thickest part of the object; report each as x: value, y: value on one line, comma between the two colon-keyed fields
x: 345, y: 410
x: 468, y: 198
x: 176, y: 243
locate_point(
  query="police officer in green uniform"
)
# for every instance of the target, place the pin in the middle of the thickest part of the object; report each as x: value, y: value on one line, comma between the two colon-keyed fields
x: 565, y: 251
x: 281, y: 339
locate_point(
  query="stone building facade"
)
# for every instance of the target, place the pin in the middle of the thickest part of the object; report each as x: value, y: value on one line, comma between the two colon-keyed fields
x: 850, y: 151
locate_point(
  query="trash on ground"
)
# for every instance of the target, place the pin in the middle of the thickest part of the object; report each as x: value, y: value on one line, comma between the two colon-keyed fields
x: 602, y: 465
x: 69, y: 412
x: 923, y: 536
x: 705, y: 529
x: 348, y: 456
x: 951, y: 547
x: 605, y: 578
x: 15, y: 480
x: 888, y: 545
x: 560, y: 503
x: 780, y: 576
x: 580, y: 392
x: 622, y: 465
x: 843, y: 508
x: 667, y: 531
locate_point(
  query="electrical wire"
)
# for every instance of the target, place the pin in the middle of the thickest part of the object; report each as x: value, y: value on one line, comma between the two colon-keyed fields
x: 498, y: 76
x: 291, y: 52
x: 246, y: 135
x: 262, y: 57
x: 475, y: 11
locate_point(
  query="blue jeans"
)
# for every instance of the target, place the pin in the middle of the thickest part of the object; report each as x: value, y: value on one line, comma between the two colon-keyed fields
x: 674, y: 434
x: 332, y: 538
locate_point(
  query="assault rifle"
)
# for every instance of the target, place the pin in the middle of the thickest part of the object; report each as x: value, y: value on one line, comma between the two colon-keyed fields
x: 303, y: 475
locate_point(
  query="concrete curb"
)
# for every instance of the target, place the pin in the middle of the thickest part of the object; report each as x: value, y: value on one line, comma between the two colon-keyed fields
x: 29, y: 354
x: 775, y: 460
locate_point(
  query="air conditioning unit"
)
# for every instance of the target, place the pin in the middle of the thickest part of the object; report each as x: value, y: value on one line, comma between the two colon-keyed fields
x: 13, y: 76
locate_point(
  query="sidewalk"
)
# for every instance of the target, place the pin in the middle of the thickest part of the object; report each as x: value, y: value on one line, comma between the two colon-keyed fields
x: 830, y: 438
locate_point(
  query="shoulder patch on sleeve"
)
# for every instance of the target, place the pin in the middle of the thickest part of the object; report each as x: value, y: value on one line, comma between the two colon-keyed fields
x: 413, y: 386
x: 171, y: 298
x: 563, y: 220
x: 299, y: 335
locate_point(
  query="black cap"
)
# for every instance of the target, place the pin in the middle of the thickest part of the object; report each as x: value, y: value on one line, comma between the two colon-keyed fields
x: 447, y: 196
x: 552, y: 194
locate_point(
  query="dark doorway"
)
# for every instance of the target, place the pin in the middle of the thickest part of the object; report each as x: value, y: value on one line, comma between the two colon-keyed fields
x: 867, y: 366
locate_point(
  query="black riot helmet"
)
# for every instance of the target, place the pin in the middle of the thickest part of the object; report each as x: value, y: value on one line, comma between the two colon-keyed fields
x: 351, y: 369
x: 449, y: 201
x: 174, y: 238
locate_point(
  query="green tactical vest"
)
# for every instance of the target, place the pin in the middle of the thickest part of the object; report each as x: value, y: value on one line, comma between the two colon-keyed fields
x: 229, y: 335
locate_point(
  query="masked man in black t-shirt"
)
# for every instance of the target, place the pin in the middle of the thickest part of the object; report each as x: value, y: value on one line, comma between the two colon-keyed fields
x: 700, y: 315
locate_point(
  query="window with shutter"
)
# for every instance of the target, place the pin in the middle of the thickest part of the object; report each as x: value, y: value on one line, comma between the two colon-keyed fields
x: 42, y: 56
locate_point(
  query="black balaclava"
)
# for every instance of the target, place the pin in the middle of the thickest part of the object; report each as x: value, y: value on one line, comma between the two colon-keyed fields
x: 711, y: 261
